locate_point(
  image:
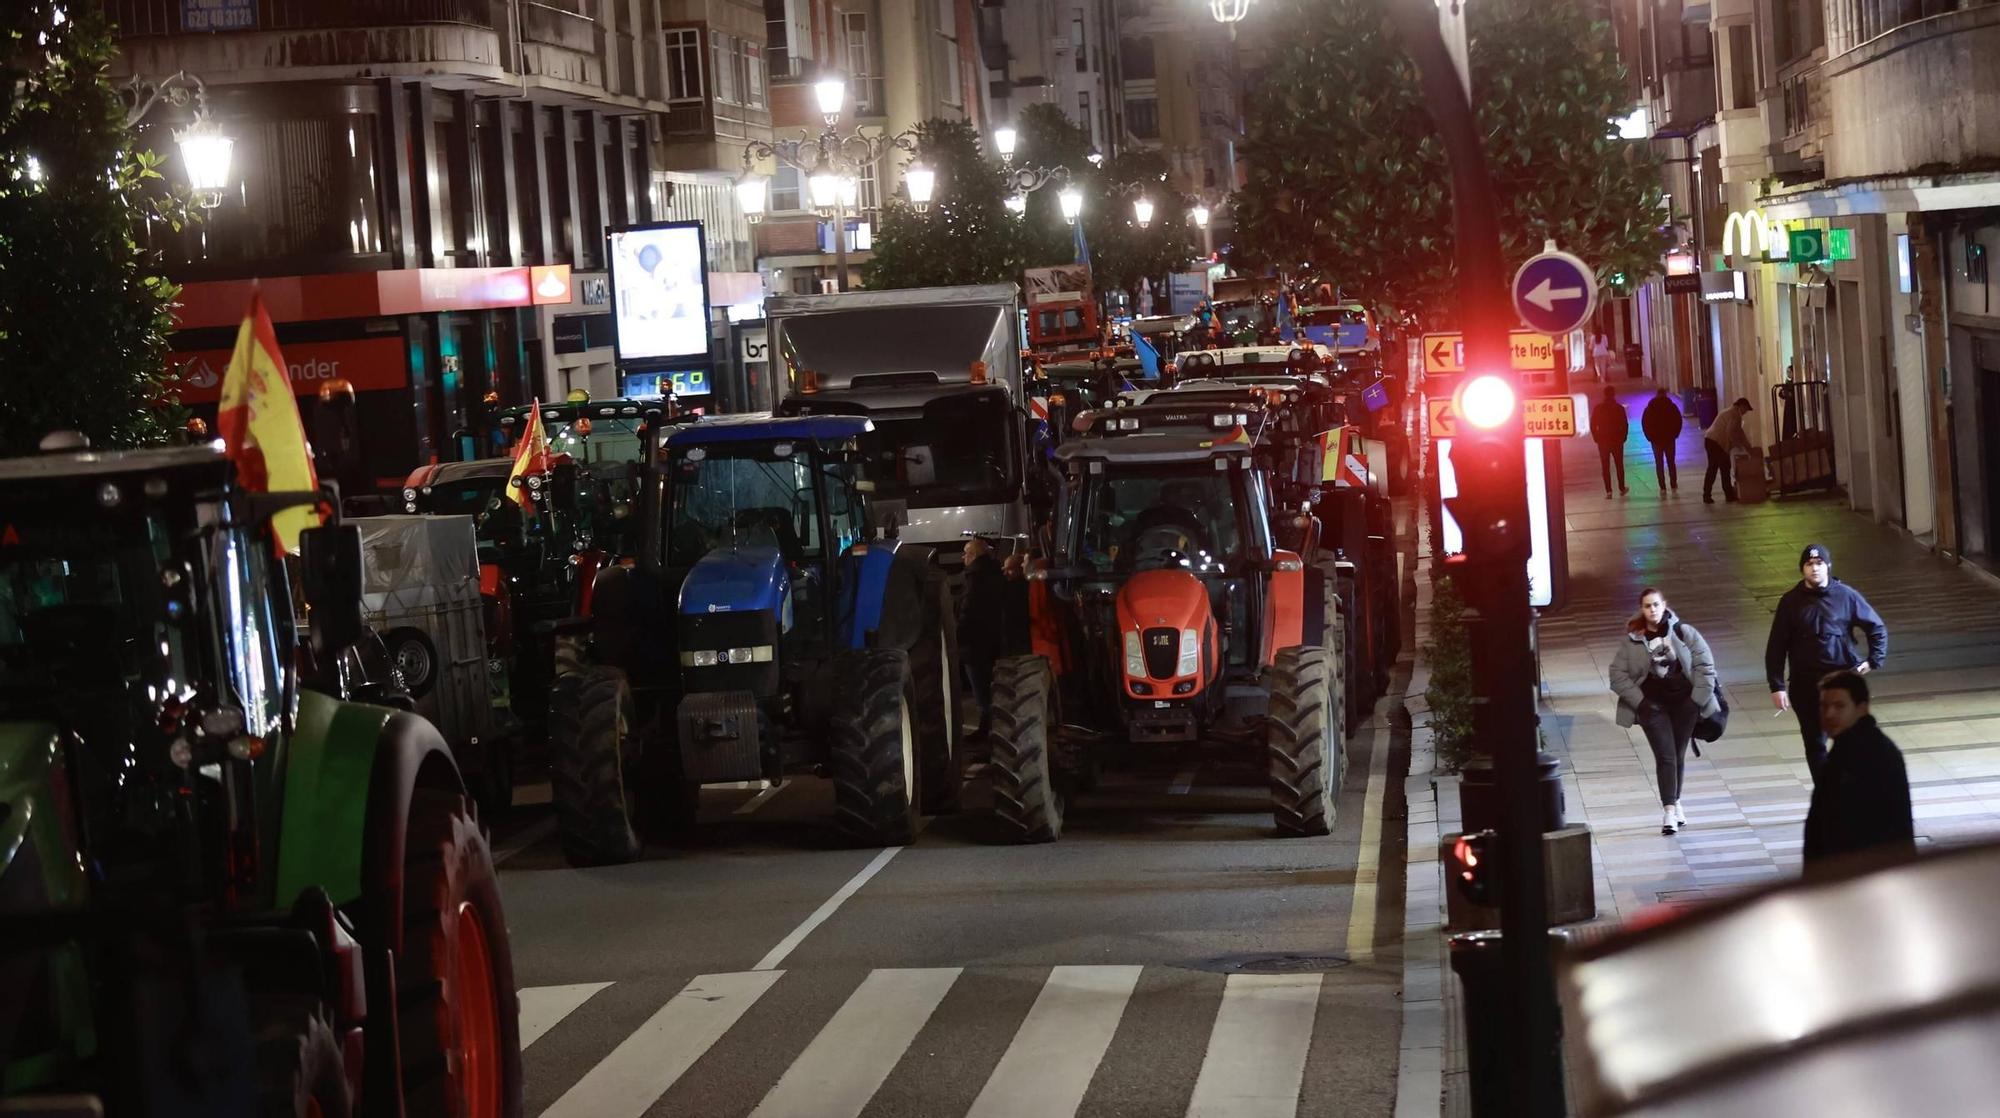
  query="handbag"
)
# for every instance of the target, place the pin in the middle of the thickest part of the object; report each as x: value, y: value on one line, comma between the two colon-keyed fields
x: 1711, y: 727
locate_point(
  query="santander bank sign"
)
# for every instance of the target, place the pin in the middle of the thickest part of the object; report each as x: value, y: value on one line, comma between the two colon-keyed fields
x: 369, y: 364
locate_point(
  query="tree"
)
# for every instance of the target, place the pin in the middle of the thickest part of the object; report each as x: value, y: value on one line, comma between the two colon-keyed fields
x: 84, y: 310
x: 969, y: 236
x: 1348, y: 181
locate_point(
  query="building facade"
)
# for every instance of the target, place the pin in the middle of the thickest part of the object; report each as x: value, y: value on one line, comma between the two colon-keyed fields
x: 1060, y: 52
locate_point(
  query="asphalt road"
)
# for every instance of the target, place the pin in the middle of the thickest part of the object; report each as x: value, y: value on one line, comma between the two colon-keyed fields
x: 1170, y: 955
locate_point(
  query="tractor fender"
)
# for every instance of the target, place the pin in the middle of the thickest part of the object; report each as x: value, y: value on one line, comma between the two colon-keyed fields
x: 865, y: 575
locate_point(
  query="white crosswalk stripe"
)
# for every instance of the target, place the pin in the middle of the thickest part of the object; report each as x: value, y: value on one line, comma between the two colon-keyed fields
x: 1049, y: 1065
x: 1253, y: 1066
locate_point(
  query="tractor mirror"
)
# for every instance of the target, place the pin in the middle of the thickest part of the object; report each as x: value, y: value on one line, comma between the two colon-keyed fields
x: 330, y: 558
x: 888, y: 517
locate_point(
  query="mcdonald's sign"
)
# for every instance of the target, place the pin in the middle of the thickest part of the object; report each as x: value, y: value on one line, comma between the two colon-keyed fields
x: 1747, y: 233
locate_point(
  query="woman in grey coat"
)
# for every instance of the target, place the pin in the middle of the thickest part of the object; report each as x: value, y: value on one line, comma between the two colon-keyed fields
x: 1664, y: 676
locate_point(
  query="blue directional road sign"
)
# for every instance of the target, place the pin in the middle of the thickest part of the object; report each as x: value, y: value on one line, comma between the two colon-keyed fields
x: 1555, y: 292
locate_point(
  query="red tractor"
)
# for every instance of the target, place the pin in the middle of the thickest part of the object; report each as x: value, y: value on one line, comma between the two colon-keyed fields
x: 1169, y: 619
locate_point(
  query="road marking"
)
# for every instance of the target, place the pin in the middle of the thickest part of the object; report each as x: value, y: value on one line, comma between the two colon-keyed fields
x: 798, y: 935
x: 1367, y: 863
x: 628, y: 1082
x: 1256, y: 1057
x: 543, y: 1007
x: 846, y: 1063
x: 1057, y: 1049
x: 529, y: 836
x: 1182, y: 783
x: 761, y: 798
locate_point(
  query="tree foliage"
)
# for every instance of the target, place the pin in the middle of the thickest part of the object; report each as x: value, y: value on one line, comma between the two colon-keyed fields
x: 84, y: 310
x: 1348, y: 181
x: 915, y: 250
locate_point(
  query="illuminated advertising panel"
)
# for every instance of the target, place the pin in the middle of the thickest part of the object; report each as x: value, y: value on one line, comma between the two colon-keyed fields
x: 659, y: 285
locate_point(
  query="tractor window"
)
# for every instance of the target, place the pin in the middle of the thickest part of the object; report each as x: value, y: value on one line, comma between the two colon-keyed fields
x: 752, y: 497
x: 1168, y: 516
x: 250, y: 637
x: 84, y: 626
x: 961, y: 451
x: 495, y: 519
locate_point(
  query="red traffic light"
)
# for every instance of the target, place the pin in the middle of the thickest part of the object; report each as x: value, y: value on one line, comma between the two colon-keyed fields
x: 1486, y: 401
x: 1473, y: 867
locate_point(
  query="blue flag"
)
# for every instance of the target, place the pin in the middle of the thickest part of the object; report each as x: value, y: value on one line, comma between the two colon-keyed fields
x: 1082, y: 244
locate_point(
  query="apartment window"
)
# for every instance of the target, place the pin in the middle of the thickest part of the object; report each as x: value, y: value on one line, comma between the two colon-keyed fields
x: 786, y: 196
x: 1142, y: 118
x: 869, y: 195
x: 777, y: 38
x: 1077, y: 43
x: 753, y: 76
x: 1742, y: 67
x: 683, y: 64
x: 723, y: 68
x: 1083, y: 112
x: 857, y: 59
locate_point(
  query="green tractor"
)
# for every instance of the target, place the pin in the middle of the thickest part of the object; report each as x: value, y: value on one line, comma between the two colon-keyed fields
x: 223, y: 892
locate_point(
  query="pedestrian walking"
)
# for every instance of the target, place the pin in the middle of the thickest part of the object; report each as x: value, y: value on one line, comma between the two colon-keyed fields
x: 1600, y: 357
x: 1722, y: 439
x: 1863, y: 801
x: 982, y: 623
x: 1664, y: 676
x: 1662, y: 422
x: 1813, y: 633
x: 1609, y: 425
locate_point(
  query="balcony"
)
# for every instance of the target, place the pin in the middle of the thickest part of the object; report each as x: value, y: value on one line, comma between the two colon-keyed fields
x: 1794, y: 118
x: 1688, y: 100
x: 1745, y: 145
x: 164, y: 17
x: 1922, y: 97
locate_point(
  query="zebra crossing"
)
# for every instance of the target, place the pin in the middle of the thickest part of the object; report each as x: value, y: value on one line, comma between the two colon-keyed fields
x: 1260, y: 1031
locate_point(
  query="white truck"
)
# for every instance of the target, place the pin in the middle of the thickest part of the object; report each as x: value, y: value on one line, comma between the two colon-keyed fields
x: 938, y: 370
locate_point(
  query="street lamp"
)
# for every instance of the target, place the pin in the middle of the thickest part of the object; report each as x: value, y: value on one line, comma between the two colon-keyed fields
x: 1072, y: 204
x: 833, y: 166
x: 205, y: 148
x: 1228, y: 11
x: 1200, y: 216
x: 1003, y: 142
x: 1142, y: 211
x: 1017, y: 203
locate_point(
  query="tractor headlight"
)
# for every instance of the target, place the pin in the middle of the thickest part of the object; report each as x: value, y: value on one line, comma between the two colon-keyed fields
x: 1190, y: 653
x: 712, y: 657
x: 1135, y: 657
x: 409, y: 494
x: 703, y: 659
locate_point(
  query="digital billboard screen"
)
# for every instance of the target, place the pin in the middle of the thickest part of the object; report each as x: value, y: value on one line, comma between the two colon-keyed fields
x: 659, y: 292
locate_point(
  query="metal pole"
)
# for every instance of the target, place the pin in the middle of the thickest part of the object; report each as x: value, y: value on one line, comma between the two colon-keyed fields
x: 840, y: 241
x: 1502, y: 658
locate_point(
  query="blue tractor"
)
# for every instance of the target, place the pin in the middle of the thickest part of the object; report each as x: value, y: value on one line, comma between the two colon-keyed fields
x: 771, y: 623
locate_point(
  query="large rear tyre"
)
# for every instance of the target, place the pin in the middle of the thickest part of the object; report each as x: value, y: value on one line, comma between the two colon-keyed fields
x: 593, y: 766
x: 938, y: 714
x: 1303, y: 742
x: 458, y: 1015
x: 1025, y: 796
x: 872, y: 747
x: 300, y: 1071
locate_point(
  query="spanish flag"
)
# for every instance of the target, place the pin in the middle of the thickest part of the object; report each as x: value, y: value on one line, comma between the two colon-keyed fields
x: 531, y: 457
x: 258, y: 420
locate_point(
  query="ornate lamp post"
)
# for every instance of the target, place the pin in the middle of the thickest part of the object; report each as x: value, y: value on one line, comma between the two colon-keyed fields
x: 1030, y: 177
x: 832, y: 165
x: 205, y: 147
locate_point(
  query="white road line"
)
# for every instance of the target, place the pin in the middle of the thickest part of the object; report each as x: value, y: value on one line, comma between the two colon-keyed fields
x: 1182, y: 783
x: 758, y: 800
x: 791, y: 942
x: 846, y: 1063
x: 542, y: 1007
x: 628, y: 1082
x: 1057, y: 1049
x: 1256, y: 1056
x: 1367, y: 864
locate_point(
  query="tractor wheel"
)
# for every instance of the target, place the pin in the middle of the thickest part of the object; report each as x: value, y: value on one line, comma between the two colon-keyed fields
x: 300, y: 1071
x: 458, y: 1018
x: 938, y: 715
x: 1337, y: 667
x: 872, y: 748
x: 1025, y: 795
x: 413, y: 654
x: 593, y: 766
x: 1303, y: 741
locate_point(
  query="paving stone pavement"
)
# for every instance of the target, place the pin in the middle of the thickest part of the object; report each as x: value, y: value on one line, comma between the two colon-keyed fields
x: 1723, y: 567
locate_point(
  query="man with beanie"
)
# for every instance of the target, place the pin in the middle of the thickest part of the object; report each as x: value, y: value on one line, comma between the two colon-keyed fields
x: 1721, y: 440
x: 1609, y: 426
x: 1813, y: 633
x: 1662, y: 422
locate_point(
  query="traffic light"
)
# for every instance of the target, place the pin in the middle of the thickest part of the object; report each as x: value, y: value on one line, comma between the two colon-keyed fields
x: 1475, y: 867
x: 1488, y: 464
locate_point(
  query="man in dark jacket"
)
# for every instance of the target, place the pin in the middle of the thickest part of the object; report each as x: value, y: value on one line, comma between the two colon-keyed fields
x: 1862, y: 799
x: 1813, y: 632
x: 982, y: 623
x: 1662, y: 423
x: 1608, y: 427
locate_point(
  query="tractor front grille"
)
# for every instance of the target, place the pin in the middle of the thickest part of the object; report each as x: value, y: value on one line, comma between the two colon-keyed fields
x: 1163, y: 651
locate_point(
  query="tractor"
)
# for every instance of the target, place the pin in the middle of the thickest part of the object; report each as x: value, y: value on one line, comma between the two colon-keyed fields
x: 224, y: 891
x: 768, y: 626
x: 1180, y: 624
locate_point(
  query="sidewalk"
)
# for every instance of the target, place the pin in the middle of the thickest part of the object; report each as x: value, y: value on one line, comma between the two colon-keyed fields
x: 1722, y: 568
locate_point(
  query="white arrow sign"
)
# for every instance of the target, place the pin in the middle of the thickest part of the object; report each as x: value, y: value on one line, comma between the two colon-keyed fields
x: 1546, y: 295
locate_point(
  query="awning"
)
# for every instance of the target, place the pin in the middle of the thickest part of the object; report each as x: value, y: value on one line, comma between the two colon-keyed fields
x: 1907, y: 194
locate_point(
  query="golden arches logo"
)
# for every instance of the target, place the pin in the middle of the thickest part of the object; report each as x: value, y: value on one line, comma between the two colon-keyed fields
x: 1747, y: 233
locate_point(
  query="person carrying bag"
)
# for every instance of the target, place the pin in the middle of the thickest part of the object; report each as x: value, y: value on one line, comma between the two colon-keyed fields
x: 1664, y: 676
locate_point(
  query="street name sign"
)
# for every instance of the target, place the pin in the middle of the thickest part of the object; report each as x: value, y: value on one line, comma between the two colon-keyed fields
x: 1555, y: 292
x: 1542, y: 417
x: 1444, y: 354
